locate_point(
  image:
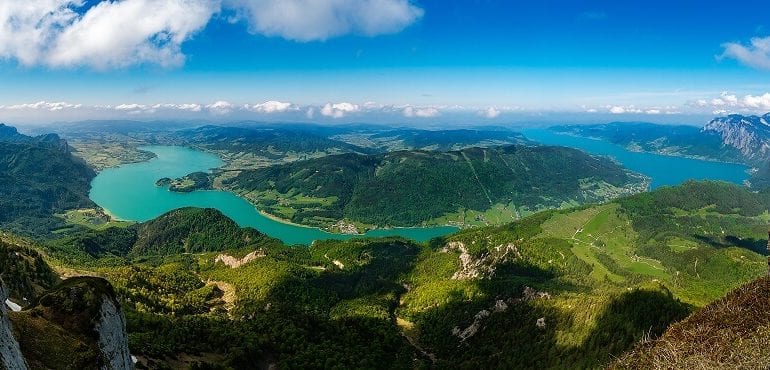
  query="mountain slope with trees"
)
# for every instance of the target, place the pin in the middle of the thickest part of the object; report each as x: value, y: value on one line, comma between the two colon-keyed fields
x: 568, y: 288
x: 38, y: 178
x: 411, y: 188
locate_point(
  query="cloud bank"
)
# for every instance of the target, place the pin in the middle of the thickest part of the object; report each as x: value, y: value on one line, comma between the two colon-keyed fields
x: 124, y: 33
x: 424, y: 112
x: 727, y: 103
x: 339, y: 110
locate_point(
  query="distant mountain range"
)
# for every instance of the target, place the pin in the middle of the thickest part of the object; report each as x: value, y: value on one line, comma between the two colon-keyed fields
x: 11, y: 135
x: 735, y: 138
x: 749, y: 134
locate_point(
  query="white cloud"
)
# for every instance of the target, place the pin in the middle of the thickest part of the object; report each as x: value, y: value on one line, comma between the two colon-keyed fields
x: 121, y: 33
x: 220, y: 107
x: 427, y: 112
x: 149, y: 109
x: 43, y: 105
x: 725, y: 99
x: 108, y: 35
x: 619, y: 109
x: 182, y: 107
x: 730, y: 102
x: 755, y: 55
x: 757, y: 102
x: 128, y: 107
x: 27, y: 27
x: 339, y: 110
x: 304, y: 20
x: 652, y: 111
x: 490, y: 113
x: 271, y: 106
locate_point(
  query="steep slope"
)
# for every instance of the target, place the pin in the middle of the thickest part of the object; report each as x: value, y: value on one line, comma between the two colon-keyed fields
x: 688, y: 141
x: 583, y: 285
x: 193, y: 230
x: 731, y: 333
x: 25, y: 273
x: 414, y: 187
x: 748, y: 134
x: 39, y: 177
x: 79, y: 323
x: 11, y: 135
x: 11, y: 357
x: 184, y: 230
x: 571, y: 288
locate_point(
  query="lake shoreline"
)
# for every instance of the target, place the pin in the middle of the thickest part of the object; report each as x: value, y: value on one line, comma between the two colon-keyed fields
x: 665, y: 154
x: 130, y: 190
x: 662, y: 169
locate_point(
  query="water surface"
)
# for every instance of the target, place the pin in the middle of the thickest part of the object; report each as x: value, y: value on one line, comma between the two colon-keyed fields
x: 128, y: 192
x: 662, y: 169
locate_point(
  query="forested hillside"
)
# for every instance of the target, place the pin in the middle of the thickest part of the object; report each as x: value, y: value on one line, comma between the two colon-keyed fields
x: 689, y: 141
x: 441, y: 140
x: 184, y: 230
x: 570, y: 288
x: 39, y: 177
x: 410, y: 188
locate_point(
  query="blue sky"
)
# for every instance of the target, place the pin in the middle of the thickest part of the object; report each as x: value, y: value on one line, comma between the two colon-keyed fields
x: 383, y: 60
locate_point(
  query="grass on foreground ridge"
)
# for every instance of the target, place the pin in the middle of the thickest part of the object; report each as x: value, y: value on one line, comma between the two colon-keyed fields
x: 731, y: 333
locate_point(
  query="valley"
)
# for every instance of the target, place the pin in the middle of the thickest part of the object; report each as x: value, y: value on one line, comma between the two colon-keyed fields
x: 575, y: 282
x: 582, y: 273
x: 384, y: 184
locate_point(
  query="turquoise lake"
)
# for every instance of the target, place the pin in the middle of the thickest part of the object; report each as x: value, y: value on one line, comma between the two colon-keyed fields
x: 128, y: 192
x: 663, y: 170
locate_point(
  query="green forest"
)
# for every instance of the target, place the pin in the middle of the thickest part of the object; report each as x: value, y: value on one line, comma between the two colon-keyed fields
x: 452, y: 302
x: 409, y: 188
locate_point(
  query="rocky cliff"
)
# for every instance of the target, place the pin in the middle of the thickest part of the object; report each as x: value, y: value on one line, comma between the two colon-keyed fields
x: 113, y: 338
x: 77, y: 324
x: 10, y: 353
x: 749, y: 134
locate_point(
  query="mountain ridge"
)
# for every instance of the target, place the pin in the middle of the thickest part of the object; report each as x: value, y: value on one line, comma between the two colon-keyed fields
x: 749, y: 134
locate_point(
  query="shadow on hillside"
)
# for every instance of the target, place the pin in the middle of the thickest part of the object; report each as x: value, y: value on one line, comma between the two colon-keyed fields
x: 344, y: 318
x: 755, y: 245
x: 513, y: 339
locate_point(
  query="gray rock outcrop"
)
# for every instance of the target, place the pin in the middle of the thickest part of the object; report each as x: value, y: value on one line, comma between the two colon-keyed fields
x: 11, y: 357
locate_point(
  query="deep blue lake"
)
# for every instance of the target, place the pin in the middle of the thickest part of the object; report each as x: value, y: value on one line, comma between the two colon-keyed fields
x: 662, y: 169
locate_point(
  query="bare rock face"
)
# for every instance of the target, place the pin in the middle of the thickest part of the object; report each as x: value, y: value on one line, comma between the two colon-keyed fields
x: 233, y: 262
x: 749, y: 134
x: 86, y: 311
x: 113, y: 338
x: 11, y: 357
x: 484, y: 266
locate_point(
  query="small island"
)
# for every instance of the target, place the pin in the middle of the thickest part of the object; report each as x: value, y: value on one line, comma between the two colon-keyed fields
x: 189, y: 183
